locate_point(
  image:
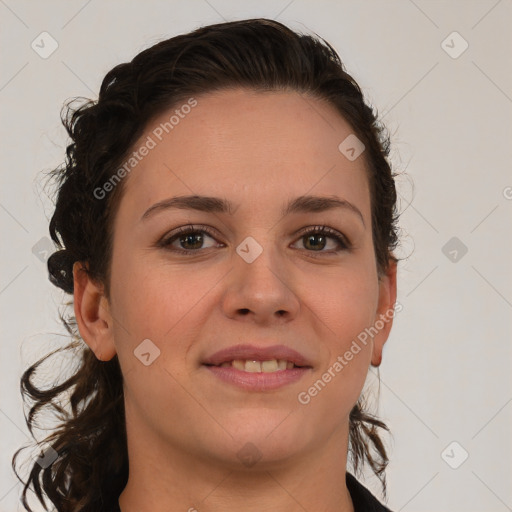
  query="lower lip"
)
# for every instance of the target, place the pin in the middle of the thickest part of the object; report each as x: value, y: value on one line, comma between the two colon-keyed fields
x: 258, y: 381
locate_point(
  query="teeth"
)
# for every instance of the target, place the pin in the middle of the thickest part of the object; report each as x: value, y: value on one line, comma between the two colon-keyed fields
x: 269, y: 366
x: 239, y: 365
x: 273, y: 365
x: 252, y: 366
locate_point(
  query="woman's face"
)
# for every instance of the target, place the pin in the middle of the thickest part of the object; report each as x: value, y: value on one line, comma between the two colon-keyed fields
x: 255, y: 283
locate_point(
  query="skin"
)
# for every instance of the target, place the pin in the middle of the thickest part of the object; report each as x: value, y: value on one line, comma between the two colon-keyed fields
x: 184, y: 425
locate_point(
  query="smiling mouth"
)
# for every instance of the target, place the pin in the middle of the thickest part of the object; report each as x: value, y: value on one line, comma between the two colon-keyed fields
x: 254, y: 366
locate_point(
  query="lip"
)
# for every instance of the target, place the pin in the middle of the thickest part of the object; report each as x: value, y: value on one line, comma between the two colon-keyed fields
x: 258, y: 381
x: 257, y: 354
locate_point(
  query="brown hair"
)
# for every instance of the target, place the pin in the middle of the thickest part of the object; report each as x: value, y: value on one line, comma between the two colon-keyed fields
x: 260, y: 54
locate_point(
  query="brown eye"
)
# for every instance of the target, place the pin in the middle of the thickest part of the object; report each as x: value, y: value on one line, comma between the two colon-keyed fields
x: 317, y: 239
x: 195, y: 240
x: 189, y: 240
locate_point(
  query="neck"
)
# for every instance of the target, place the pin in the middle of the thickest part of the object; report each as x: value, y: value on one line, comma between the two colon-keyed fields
x: 170, y: 480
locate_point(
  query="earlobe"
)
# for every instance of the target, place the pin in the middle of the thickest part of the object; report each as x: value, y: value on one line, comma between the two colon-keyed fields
x: 92, y: 313
x: 385, y: 311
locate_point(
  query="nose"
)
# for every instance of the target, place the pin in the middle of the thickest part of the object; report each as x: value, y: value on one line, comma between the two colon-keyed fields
x: 261, y: 291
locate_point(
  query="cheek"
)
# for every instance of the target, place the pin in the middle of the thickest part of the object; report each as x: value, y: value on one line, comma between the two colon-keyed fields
x: 346, y: 307
x: 346, y: 301
x: 159, y: 302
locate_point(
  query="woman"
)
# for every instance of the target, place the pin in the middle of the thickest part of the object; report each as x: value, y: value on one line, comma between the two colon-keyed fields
x: 226, y: 219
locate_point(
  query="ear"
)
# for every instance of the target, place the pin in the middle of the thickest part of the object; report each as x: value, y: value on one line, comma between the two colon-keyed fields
x: 92, y: 313
x: 385, y: 311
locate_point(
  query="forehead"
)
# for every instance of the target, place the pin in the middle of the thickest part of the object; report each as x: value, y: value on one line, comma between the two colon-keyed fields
x: 245, y: 144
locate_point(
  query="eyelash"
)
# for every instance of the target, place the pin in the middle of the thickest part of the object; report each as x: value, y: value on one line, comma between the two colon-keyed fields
x: 342, y: 241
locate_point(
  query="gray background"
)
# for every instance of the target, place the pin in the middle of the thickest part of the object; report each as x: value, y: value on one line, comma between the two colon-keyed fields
x: 446, y: 373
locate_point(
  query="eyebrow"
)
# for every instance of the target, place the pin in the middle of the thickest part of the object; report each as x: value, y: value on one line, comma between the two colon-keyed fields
x: 302, y: 204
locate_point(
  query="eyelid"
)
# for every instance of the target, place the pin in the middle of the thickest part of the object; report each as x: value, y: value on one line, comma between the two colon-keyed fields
x: 186, y: 229
x: 338, y: 236
x: 319, y: 228
x: 331, y: 232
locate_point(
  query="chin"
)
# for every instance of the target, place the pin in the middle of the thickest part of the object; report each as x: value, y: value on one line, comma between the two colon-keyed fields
x: 269, y: 436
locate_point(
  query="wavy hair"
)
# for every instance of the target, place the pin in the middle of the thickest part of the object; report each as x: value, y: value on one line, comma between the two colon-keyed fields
x: 91, y: 469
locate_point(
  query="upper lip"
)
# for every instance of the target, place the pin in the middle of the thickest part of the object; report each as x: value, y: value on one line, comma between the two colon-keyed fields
x: 252, y: 352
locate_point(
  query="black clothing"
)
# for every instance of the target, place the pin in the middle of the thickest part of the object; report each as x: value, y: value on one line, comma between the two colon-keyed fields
x: 362, y: 498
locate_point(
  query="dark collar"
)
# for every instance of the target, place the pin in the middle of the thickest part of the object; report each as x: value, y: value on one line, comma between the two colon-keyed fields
x: 362, y: 498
